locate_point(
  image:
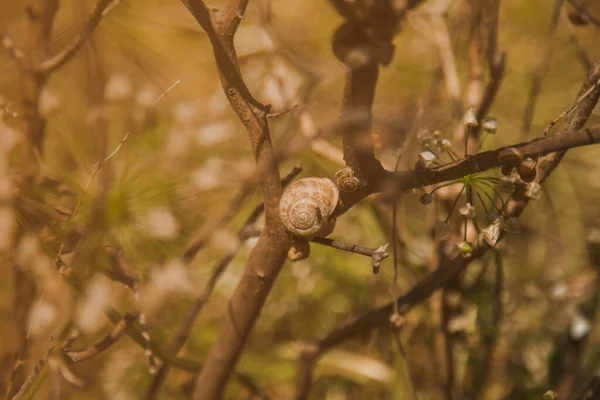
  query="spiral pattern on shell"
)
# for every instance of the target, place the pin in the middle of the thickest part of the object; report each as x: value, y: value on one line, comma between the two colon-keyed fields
x: 345, y: 180
x: 306, y: 206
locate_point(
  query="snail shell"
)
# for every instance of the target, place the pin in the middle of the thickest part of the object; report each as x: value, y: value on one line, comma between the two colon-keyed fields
x: 345, y: 180
x: 527, y: 166
x: 510, y: 157
x: 306, y: 207
x: 299, y: 250
x: 527, y: 170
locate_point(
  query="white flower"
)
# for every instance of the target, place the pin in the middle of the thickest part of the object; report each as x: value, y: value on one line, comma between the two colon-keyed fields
x: 534, y: 191
x: 492, y: 232
x: 446, y: 144
x: 490, y: 125
x: 470, y: 119
x: 427, y: 159
x: 467, y: 211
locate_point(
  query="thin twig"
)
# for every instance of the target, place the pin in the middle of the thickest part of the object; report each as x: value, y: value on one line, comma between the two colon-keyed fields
x: 378, y: 254
x: 277, y: 114
x: 396, y: 319
x: 61, y: 58
x: 76, y: 356
x: 449, y: 269
x: 582, y: 55
x: 20, y: 360
x: 594, y: 20
x: 581, y: 98
x: 36, y: 370
x: 99, y: 165
x: 410, y: 382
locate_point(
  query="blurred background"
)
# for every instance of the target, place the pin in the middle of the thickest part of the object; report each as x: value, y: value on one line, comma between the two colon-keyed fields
x: 187, y: 156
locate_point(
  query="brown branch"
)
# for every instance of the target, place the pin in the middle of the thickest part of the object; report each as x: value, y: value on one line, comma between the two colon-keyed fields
x: 65, y: 55
x: 449, y: 269
x: 358, y: 99
x: 75, y: 356
x: 395, y: 183
x: 580, y: 51
x: 377, y: 318
x: 352, y: 248
x: 591, y: 90
x: 270, y: 252
x: 377, y: 255
x: 185, y: 328
x: 36, y: 47
x: 370, y: 33
x: 594, y: 20
x: 19, y: 361
x: 34, y: 374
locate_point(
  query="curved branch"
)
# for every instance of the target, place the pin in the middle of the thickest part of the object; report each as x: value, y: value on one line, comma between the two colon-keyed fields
x: 65, y: 55
x: 75, y: 356
x: 268, y: 256
x: 571, y: 135
x: 394, y: 183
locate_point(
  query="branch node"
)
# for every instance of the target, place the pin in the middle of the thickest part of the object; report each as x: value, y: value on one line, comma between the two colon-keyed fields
x: 378, y: 256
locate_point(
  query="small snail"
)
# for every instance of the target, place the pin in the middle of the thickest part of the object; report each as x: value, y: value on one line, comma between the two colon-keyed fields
x: 345, y: 180
x: 306, y: 207
x: 527, y: 170
x: 299, y: 250
x: 510, y: 157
